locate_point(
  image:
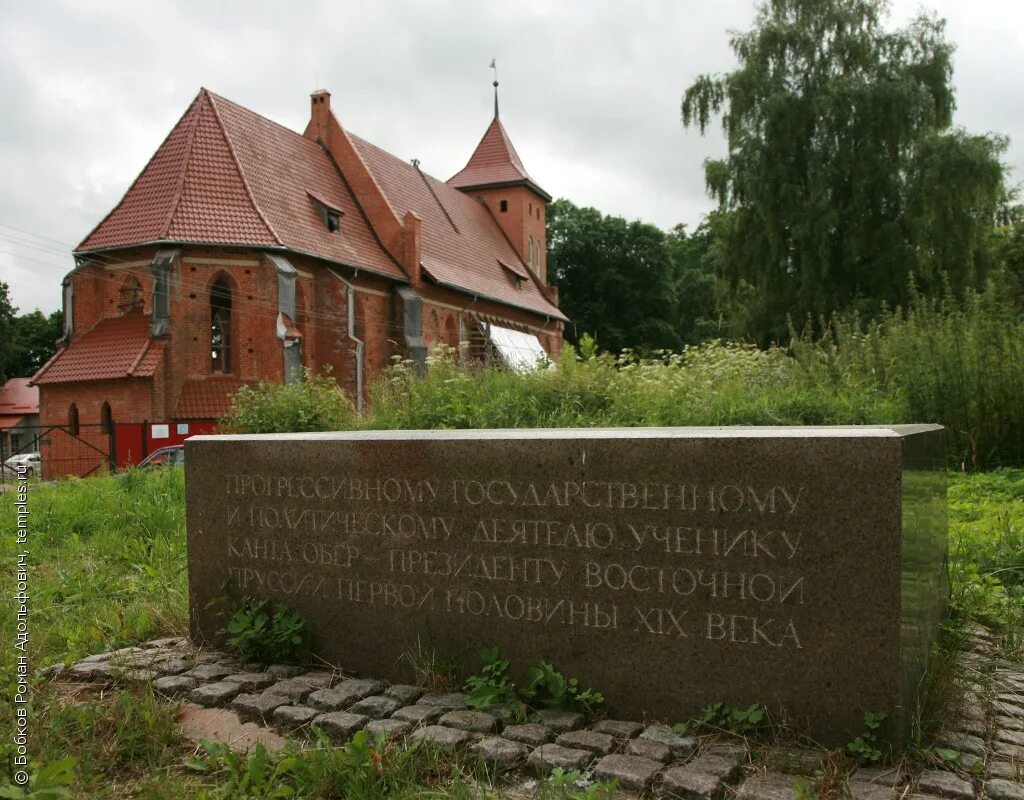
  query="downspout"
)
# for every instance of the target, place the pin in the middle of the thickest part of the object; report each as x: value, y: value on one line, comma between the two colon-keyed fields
x: 350, y: 298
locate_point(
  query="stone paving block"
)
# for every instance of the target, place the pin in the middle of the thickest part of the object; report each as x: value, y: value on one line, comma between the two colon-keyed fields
x: 472, y: 721
x: 174, y: 685
x: 692, y: 784
x: 175, y: 666
x: 880, y: 776
x: 600, y: 744
x: 438, y: 736
x: 1008, y: 770
x: 618, y: 729
x: 1008, y: 752
x: 319, y: 679
x: 209, y: 672
x: 648, y: 748
x: 681, y: 745
x: 282, y: 671
x: 404, y: 693
x: 869, y: 791
x: 972, y: 727
x: 733, y: 752
x: 1006, y: 709
x: 531, y: 733
x: 292, y: 717
x: 251, y: 681
x: 549, y: 756
x: 329, y: 699
x: 561, y: 721
x: 219, y: 693
x: 341, y: 725
x: 1008, y: 723
x: 963, y: 743
x: 793, y: 760
x: 728, y: 768
x: 91, y: 670
x: 502, y: 753
x: 391, y: 728
x: 451, y: 700
x: 1013, y: 698
x: 769, y: 786
x: 209, y: 657
x: 632, y: 772
x: 1002, y: 789
x: 376, y: 706
x: 139, y: 675
x: 358, y: 688
x: 940, y: 783
x: 1009, y: 736
x: 294, y: 690
x: 419, y: 714
x: 257, y: 707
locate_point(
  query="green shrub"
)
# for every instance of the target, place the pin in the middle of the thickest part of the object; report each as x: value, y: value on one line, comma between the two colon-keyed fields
x: 315, y: 403
x: 261, y: 632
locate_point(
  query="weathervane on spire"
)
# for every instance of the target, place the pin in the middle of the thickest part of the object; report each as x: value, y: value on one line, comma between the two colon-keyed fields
x: 494, y: 66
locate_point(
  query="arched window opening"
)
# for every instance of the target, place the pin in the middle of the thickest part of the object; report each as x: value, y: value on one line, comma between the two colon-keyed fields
x: 106, y: 418
x: 220, y: 326
x: 130, y: 295
x: 73, y: 419
x: 529, y: 253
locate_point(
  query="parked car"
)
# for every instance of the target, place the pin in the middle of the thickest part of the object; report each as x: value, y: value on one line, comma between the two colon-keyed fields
x: 175, y: 454
x: 32, y: 462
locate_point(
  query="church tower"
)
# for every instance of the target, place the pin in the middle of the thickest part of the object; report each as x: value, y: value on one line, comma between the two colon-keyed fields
x: 496, y: 175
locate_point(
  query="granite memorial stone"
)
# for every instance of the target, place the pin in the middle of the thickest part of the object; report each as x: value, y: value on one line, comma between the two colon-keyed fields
x: 800, y: 568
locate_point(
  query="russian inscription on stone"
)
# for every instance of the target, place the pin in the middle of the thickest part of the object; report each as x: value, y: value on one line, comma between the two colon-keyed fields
x: 800, y: 568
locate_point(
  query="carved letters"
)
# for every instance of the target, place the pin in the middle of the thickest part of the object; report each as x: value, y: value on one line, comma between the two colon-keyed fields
x: 678, y: 560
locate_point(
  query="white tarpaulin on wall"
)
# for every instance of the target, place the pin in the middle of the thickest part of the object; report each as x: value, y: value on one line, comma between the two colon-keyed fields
x: 521, y: 351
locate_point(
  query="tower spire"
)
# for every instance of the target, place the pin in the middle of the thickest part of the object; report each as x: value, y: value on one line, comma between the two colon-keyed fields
x: 494, y: 66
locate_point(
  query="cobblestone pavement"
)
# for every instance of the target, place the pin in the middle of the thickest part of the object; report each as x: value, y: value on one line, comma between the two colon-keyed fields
x: 642, y: 758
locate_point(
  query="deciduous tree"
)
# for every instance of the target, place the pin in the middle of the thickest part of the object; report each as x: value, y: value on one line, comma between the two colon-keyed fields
x: 842, y: 171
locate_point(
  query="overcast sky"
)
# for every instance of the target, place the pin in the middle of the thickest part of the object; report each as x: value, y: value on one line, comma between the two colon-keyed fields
x: 590, y: 94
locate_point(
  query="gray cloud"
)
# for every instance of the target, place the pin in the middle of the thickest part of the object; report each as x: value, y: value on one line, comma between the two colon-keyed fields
x: 589, y: 93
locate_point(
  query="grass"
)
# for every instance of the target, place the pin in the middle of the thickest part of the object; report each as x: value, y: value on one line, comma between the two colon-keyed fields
x: 108, y: 570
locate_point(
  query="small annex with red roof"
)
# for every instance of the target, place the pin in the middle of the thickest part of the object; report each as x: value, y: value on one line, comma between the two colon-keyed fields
x: 19, y: 417
x: 247, y: 252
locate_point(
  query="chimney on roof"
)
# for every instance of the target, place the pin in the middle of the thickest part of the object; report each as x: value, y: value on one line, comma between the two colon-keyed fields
x: 320, y: 113
x: 411, y: 247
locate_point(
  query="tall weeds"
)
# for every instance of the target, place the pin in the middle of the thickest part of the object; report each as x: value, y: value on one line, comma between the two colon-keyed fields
x: 958, y: 363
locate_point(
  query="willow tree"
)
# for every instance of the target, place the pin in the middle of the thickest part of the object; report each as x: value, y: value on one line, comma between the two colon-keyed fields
x: 843, y: 173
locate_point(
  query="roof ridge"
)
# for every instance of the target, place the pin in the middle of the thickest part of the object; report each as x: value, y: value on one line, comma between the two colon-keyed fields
x: 142, y: 172
x: 165, y: 230
x: 248, y: 110
x: 241, y: 172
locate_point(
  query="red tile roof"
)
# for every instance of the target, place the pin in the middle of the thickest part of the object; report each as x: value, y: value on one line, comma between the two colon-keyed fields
x: 206, y: 398
x: 495, y: 162
x: 462, y: 245
x: 18, y: 396
x: 226, y: 175
x: 117, y: 347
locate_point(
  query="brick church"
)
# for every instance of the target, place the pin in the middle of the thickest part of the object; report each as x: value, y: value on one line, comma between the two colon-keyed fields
x: 245, y: 251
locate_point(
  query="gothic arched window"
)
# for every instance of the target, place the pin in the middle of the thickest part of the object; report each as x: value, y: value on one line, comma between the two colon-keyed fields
x: 220, y: 326
x: 73, y: 419
x: 106, y: 418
